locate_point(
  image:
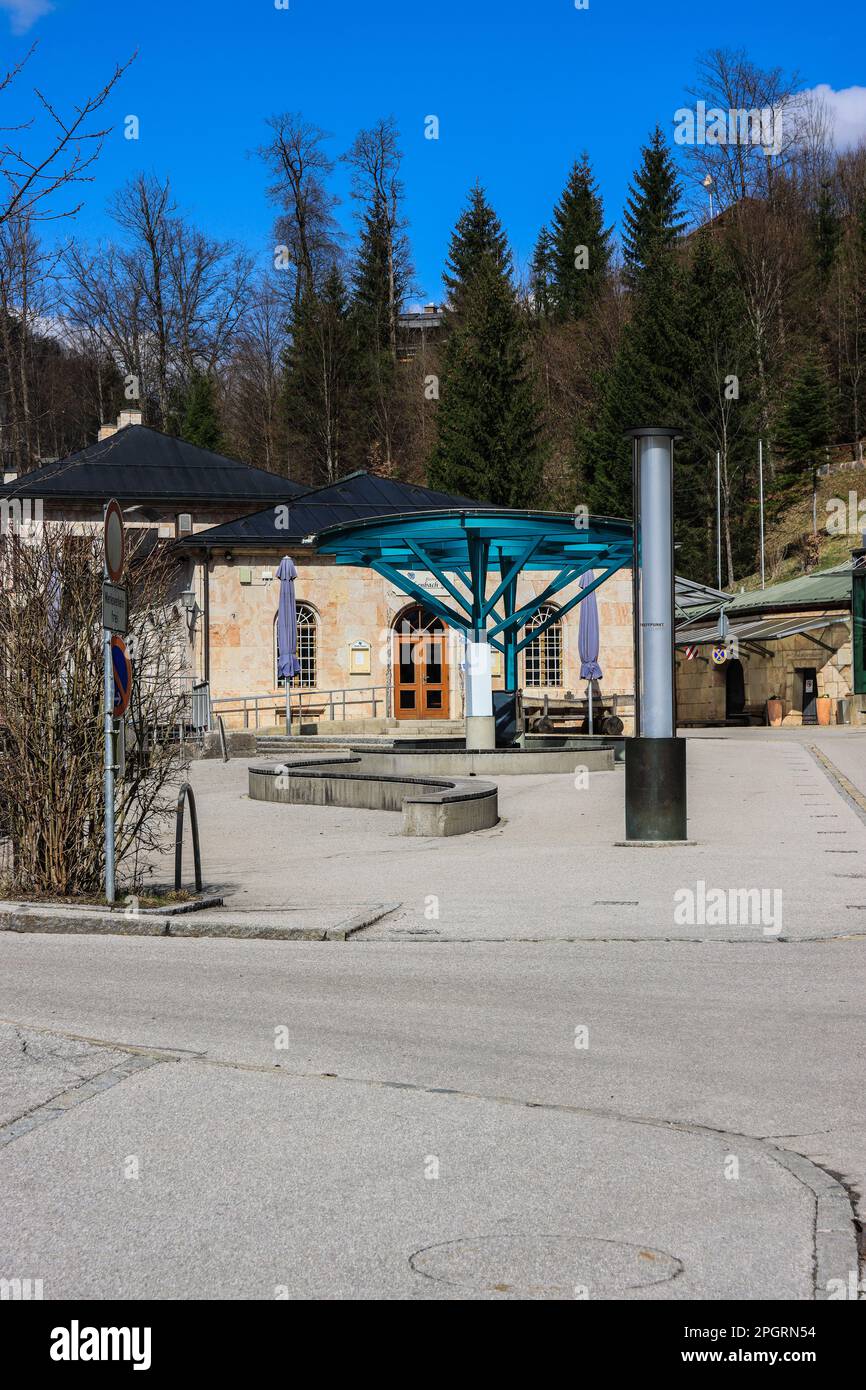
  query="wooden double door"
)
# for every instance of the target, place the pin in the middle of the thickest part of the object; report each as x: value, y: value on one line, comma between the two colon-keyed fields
x: 420, y: 665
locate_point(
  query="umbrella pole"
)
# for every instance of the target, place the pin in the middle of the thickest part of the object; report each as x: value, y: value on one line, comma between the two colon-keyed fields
x: 288, y: 706
x: 589, y: 689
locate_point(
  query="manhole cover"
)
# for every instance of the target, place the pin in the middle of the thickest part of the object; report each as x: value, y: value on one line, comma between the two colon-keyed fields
x: 545, y: 1266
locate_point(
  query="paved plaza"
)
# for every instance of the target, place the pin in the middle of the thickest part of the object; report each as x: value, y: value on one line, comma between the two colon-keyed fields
x: 525, y: 1079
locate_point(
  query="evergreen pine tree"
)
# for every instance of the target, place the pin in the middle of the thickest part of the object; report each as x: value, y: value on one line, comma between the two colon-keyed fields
x: 477, y: 237
x: 370, y: 281
x: 377, y: 370
x: 320, y: 381
x: 828, y: 230
x: 200, y: 423
x: 580, y: 244
x: 644, y: 387
x: 804, y: 423
x: 541, y: 274
x: 651, y: 220
x: 719, y: 417
x: 488, y: 418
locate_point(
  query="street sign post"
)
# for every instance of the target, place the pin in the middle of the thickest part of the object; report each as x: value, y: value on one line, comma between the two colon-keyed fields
x: 115, y: 614
x: 114, y: 540
x: 120, y: 749
x: 121, y: 677
x: 114, y: 543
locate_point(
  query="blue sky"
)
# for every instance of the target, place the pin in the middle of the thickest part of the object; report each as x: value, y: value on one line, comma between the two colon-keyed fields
x: 519, y: 89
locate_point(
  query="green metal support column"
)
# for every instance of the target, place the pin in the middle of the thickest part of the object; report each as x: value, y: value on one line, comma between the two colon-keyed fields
x: 509, y: 603
x: 479, y: 549
x: 460, y: 546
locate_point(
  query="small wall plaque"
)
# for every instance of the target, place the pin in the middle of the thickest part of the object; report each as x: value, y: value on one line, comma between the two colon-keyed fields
x: 359, y: 658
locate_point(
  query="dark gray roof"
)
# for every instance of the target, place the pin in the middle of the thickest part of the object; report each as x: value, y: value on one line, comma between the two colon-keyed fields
x: 138, y: 464
x: 352, y: 498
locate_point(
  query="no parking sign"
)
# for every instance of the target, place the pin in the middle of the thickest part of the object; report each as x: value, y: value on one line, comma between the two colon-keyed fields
x: 122, y: 671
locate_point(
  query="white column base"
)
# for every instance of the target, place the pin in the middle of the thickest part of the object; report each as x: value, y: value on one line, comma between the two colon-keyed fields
x: 480, y: 732
x: 477, y: 670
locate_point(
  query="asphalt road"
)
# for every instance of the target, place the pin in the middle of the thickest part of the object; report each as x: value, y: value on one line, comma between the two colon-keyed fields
x: 233, y: 1119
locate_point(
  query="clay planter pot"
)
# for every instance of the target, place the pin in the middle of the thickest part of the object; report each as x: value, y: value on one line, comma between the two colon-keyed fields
x: 774, y: 713
x: 824, y: 706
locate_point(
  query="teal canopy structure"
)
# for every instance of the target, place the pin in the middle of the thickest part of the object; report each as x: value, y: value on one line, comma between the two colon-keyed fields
x: 464, y: 548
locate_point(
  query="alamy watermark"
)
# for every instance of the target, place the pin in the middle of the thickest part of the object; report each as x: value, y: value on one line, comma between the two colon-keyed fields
x: 757, y: 126
x: 729, y: 907
x: 22, y: 518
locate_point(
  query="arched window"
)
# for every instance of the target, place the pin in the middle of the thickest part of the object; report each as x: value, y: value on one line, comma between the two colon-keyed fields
x: 307, y: 642
x: 543, y: 659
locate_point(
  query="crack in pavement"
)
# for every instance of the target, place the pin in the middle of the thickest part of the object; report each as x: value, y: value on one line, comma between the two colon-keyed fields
x: 619, y: 940
x: 836, y: 1229
x: 73, y: 1096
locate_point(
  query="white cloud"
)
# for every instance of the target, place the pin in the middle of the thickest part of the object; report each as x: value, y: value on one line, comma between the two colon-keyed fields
x: 846, y: 110
x: 23, y: 14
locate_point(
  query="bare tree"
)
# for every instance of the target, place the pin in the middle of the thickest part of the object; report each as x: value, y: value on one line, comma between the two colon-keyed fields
x: 143, y: 209
x: 22, y: 300
x: 251, y: 384
x: 166, y: 301
x: 70, y: 146
x: 743, y: 164
x: 305, y: 222
x: 211, y: 291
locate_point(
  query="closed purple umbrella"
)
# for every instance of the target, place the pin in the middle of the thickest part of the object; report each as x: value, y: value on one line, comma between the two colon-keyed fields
x: 588, y: 638
x: 288, y: 664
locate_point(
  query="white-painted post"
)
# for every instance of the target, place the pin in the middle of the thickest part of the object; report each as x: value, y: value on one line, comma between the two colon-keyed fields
x: 761, y: 502
x: 478, y: 683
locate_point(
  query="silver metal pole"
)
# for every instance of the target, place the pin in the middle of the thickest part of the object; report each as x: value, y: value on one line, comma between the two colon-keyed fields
x: 761, y: 501
x: 718, y: 519
x: 655, y: 462
x: 635, y: 583
x: 655, y: 761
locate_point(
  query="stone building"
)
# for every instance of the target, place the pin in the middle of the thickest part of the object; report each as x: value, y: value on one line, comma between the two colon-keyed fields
x: 791, y: 641
x: 231, y: 525
x: 355, y: 628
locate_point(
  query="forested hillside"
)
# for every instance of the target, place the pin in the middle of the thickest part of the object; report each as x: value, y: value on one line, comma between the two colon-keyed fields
x: 748, y: 324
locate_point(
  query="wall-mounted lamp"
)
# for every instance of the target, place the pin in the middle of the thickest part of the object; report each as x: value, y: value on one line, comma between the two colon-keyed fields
x: 190, y: 607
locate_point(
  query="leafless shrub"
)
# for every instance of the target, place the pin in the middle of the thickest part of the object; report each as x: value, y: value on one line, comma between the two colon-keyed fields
x: 51, y: 703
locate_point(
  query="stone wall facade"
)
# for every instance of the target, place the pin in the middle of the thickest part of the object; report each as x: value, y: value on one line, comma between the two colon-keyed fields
x: 701, y: 685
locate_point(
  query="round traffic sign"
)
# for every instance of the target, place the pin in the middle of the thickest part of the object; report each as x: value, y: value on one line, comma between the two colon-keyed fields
x: 122, y: 670
x: 720, y: 656
x: 114, y: 540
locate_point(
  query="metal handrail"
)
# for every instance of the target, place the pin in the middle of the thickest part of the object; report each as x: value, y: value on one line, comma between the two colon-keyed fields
x: 185, y: 793
x: 338, y: 697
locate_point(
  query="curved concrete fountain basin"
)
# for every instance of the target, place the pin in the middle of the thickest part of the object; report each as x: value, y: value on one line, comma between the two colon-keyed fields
x: 490, y: 762
x: 429, y: 805
x: 449, y: 757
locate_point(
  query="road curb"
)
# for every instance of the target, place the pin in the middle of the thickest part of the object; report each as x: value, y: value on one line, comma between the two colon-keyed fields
x: 75, y: 921
x: 836, y: 1252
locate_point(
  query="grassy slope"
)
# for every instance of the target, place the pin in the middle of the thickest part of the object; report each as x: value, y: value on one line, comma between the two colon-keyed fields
x: 786, y: 533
